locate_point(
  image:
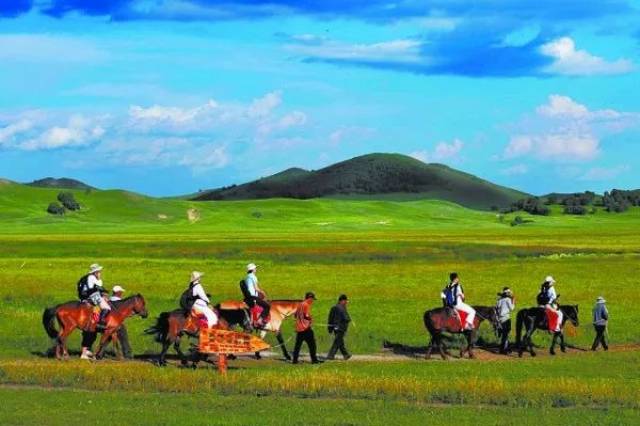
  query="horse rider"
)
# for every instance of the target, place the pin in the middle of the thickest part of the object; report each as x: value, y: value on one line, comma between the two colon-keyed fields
x: 548, y: 299
x: 90, y: 289
x: 504, y: 306
x: 255, y: 295
x: 200, y: 299
x: 453, y: 297
x: 117, y: 292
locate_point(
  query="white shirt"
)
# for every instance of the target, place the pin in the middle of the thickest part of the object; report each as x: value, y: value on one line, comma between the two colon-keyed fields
x: 252, y: 284
x: 198, y: 291
x: 115, y: 298
x: 552, y: 295
x: 93, y: 282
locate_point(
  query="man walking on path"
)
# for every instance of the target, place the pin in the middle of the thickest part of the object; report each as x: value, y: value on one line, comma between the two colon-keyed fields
x: 117, y: 292
x: 504, y: 307
x: 338, y: 324
x: 304, y: 330
x: 600, y: 320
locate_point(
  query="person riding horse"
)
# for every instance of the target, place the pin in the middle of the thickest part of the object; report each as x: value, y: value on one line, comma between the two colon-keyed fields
x: 453, y: 298
x: 91, y: 290
x: 253, y: 295
x: 195, y: 300
x: 548, y: 300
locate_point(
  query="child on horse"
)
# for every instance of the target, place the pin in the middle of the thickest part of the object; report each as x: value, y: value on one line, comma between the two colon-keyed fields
x: 91, y: 290
x: 548, y: 299
x: 453, y: 297
x: 253, y: 294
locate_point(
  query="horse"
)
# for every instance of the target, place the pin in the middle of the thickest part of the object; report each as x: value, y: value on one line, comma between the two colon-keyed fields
x: 236, y: 313
x: 440, y: 320
x: 74, y: 314
x: 535, y: 318
x: 171, y: 326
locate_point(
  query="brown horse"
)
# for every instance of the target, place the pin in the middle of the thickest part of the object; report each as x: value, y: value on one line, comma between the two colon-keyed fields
x: 171, y: 326
x: 72, y: 315
x: 235, y: 312
x: 441, y: 320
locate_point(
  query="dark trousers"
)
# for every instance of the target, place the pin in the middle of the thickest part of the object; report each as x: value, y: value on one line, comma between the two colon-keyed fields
x: 600, y: 339
x: 505, y: 329
x: 338, y: 344
x: 309, y: 337
x: 266, y: 307
x: 123, y: 338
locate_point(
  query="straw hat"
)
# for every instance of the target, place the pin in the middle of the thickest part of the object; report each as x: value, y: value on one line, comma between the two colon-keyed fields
x: 195, y: 276
x: 95, y: 268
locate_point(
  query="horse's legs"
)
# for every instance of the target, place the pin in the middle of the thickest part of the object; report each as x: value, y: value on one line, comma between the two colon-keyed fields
x: 438, y: 338
x: 283, y: 346
x: 563, y: 347
x: 176, y: 347
x: 470, y: 342
x: 530, y: 342
x: 63, y: 353
x: 116, y: 346
x: 104, y: 341
x: 163, y: 353
x: 552, y: 350
x: 427, y: 355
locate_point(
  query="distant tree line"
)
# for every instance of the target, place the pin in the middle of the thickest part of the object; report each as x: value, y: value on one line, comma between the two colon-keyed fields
x: 618, y: 200
x: 531, y: 205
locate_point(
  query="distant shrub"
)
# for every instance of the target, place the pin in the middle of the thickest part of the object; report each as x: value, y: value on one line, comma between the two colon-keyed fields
x: 257, y: 214
x: 55, y: 208
x: 68, y: 201
x: 576, y: 209
x: 531, y: 205
x: 517, y: 221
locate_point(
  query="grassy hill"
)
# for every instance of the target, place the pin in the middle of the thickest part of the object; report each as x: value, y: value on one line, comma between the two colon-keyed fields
x: 374, y: 176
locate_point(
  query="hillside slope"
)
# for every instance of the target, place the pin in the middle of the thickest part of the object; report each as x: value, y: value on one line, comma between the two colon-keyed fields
x: 374, y: 176
x: 61, y: 183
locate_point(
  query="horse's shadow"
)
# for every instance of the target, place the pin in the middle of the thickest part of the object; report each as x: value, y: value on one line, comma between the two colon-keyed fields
x: 419, y: 351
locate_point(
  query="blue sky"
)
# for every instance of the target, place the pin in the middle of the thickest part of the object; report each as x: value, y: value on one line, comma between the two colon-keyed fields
x: 170, y: 96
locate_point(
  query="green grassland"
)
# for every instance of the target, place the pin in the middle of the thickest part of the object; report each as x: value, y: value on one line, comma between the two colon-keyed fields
x: 391, y: 257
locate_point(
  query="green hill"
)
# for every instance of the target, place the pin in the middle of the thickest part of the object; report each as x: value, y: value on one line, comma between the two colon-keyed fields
x: 374, y: 176
x: 61, y: 183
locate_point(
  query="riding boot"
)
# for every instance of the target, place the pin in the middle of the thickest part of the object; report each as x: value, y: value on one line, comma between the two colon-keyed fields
x: 102, y: 322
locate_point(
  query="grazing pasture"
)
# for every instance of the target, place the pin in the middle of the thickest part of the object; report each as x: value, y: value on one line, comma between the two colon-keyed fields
x: 391, y: 258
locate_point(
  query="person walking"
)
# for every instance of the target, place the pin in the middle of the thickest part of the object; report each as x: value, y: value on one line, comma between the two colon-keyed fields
x: 117, y: 292
x: 600, y: 321
x: 504, y: 306
x: 338, y: 323
x: 304, y: 332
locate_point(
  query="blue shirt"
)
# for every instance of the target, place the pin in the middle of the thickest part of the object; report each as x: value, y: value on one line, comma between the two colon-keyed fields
x: 252, y: 284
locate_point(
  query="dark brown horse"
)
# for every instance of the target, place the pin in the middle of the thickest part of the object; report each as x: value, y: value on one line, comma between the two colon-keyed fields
x: 171, y: 326
x: 440, y: 320
x: 72, y: 315
x: 535, y: 318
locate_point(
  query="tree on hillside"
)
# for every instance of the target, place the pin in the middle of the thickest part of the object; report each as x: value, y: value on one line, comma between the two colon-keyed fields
x: 68, y: 201
x: 55, y: 208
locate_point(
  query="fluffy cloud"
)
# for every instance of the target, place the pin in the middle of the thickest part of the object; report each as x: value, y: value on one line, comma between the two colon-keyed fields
x: 569, y: 61
x: 442, y: 152
x: 198, y: 137
x: 567, y: 131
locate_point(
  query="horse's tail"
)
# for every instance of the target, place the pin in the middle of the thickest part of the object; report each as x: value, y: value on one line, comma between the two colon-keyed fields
x: 519, y: 322
x: 48, y: 319
x: 160, y: 328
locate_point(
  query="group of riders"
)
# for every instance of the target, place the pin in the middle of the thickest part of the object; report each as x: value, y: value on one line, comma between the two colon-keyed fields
x: 196, y: 301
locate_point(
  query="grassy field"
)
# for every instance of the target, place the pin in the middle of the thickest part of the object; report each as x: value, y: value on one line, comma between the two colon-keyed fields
x: 392, y: 258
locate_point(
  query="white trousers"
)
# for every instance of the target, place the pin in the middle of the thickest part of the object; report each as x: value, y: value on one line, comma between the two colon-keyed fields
x: 201, y: 307
x: 471, y: 313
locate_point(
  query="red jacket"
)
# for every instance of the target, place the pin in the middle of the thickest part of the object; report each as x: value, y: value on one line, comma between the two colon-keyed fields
x: 303, y: 315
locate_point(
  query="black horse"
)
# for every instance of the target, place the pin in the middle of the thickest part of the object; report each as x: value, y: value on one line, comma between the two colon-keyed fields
x: 535, y: 318
x: 441, y: 320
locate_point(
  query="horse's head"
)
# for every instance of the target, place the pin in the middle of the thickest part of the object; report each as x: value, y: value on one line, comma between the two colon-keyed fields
x: 139, y: 306
x: 571, y: 312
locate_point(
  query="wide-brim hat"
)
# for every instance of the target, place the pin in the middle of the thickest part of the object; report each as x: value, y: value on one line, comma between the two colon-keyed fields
x: 550, y: 280
x: 95, y: 268
x: 252, y: 267
x: 196, y: 275
x: 600, y: 299
x: 117, y: 289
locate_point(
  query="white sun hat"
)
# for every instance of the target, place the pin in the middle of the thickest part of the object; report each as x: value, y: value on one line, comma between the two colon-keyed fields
x: 252, y: 267
x: 195, y: 276
x: 600, y: 299
x: 117, y: 289
x: 549, y: 280
x: 95, y: 268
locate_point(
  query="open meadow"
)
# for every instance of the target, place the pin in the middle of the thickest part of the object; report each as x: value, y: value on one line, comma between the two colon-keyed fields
x: 391, y: 258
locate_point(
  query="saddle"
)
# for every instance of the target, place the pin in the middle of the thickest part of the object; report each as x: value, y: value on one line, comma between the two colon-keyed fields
x: 254, y: 314
x: 94, y: 317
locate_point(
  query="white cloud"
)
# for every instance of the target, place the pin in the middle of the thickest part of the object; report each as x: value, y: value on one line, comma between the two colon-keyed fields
x: 566, y: 131
x: 569, y: 61
x: 515, y: 170
x: 9, y: 133
x: 205, y: 158
x: 399, y: 50
x: 601, y: 173
x: 79, y: 131
x: 263, y: 106
x: 443, y: 151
